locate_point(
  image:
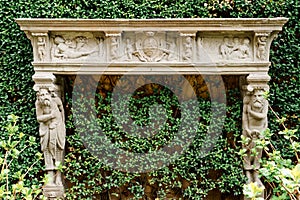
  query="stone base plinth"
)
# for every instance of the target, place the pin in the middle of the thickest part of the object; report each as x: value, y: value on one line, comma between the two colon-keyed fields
x: 53, y: 192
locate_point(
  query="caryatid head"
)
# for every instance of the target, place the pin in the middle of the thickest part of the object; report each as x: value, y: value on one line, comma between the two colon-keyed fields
x: 44, y: 96
x: 257, y: 98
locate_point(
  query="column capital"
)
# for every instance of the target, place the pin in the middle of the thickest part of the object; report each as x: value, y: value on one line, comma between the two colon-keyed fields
x: 44, y: 80
x: 258, y: 81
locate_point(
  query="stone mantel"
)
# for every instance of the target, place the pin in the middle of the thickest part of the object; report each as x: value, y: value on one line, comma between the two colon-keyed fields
x: 148, y: 46
x: 116, y: 46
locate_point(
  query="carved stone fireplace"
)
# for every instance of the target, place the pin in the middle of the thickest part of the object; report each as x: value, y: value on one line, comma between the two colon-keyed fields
x: 147, y: 47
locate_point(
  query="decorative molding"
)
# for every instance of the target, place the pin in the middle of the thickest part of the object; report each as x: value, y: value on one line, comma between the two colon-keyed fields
x: 183, y: 24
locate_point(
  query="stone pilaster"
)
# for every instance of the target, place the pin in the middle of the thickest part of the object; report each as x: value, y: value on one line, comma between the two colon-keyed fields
x: 254, y: 118
x: 51, y: 117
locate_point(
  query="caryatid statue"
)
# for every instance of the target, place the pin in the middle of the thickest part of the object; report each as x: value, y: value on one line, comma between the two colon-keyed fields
x: 254, y: 122
x: 50, y: 115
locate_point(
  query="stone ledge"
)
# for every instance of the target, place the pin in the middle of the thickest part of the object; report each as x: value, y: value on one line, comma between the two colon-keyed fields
x: 203, y: 24
x: 152, y: 68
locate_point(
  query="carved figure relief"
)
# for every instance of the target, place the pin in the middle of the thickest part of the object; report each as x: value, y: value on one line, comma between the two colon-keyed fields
x: 254, y: 122
x: 235, y: 48
x: 41, y: 48
x: 114, y: 46
x: 100, y: 42
x: 129, y: 49
x: 261, y: 47
x: 225, y: 48
x: 244, y: 49
x: 187, y: 49
x: 72, y: 48
x: 50, y: 115
x: 171, y: 50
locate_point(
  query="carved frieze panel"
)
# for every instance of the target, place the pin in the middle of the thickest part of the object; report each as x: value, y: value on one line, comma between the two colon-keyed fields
x: 77, y: 46
x: 143, y: 46
x: 150, y: 46
x: 225, y: 48
x: 70, y: 44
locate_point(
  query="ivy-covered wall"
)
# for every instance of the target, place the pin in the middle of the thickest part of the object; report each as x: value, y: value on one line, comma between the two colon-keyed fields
x: 192, y: 178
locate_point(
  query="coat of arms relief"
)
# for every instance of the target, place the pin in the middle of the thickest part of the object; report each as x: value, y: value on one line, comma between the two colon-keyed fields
x: 150, y: 46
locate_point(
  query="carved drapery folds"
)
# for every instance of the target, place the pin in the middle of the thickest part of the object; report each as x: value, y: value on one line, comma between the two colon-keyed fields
x: 150, y: 46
